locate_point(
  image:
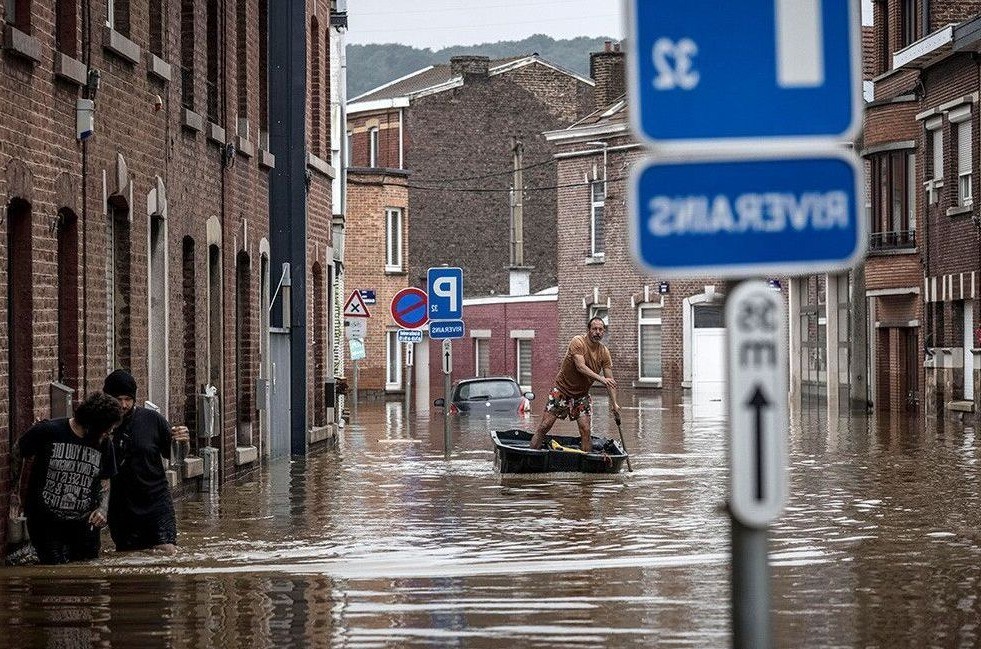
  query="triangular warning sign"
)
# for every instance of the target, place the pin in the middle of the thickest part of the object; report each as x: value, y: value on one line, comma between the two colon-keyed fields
x: 355, y: 307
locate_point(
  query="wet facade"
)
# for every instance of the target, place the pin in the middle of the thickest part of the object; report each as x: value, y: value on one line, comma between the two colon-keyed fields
x: 666, y: 334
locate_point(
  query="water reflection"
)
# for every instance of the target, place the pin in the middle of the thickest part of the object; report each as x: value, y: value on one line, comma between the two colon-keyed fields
x: 382, y: 543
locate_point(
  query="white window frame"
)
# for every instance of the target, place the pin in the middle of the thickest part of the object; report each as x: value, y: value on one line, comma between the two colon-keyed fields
x: 393, y: 225
x: 655, y: 381
x: 961, y: 120
x: 393, y: 363
x: 373, y: 140
x: 602, y: 311
x: 934, y: 184
x: 518, y: 342
x: 111, y: 14
x: 596, y: 251
x: 349, y: 144
x: 479, y: 343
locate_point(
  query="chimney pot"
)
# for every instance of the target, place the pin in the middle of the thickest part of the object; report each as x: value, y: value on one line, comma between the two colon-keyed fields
x: 470, y: 66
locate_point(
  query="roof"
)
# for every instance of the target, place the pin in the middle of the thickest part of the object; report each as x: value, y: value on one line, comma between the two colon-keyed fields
x: 610, y: 120
x: 436, y: 78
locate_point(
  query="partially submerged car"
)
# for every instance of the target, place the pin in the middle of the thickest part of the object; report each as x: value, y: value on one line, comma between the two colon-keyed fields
x: 488, y: 395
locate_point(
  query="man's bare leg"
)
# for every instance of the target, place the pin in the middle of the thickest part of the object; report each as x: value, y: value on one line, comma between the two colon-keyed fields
x: 548, y: 420
x: 585, y: 429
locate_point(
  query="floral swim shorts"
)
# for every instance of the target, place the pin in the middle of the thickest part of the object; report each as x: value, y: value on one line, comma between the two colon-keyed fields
x: 565, y: 407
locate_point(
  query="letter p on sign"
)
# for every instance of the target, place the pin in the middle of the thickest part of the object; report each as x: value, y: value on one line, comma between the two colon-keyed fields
x: 445, y: 293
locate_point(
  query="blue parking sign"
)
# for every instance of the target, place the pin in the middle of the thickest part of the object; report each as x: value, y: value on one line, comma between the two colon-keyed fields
x: 445, y: 292
x: 704, y: 71
x: 758, y: 215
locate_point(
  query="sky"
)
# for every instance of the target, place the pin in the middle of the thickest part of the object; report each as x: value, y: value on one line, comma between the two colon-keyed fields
x: 440, y: 23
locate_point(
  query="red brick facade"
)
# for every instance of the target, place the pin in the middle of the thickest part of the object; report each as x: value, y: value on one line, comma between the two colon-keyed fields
x: 149, y: 256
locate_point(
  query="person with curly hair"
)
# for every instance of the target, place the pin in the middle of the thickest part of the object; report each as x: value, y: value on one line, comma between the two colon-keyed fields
x: 67, y: 498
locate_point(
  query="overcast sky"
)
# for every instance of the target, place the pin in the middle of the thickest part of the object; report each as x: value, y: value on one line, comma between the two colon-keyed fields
x: 439, y: 23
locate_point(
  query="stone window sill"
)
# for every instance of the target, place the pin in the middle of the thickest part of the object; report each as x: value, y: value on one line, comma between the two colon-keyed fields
x: 70, y: 69
x: 245, y: 455
x: 959, y: 210
x: 191, y: 120
x: 157, y: 67
x: 594, y: 260
x: 244, y: 147
x: 21, y: 44
x: 267, y: 159
x: 647, y: 383
x: 321, y: 166
x: 119, y: 45
x: 216, y: 133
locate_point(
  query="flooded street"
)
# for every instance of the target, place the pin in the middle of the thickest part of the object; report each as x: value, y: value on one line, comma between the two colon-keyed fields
x: 382, y: 543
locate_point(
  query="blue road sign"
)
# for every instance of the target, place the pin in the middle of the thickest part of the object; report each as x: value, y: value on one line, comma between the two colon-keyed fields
x: 446, y: 329
x: 445, y: 293
x: 409, y: 336
x: 408, y: 308
x: 705, y: 71
x: 762, y: 216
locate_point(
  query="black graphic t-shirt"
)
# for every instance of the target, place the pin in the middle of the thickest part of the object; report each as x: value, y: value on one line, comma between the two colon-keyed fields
x: 140, y: 487
x: 65, y: 480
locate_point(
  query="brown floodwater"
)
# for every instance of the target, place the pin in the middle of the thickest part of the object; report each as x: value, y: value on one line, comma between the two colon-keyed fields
x: 382, y: 543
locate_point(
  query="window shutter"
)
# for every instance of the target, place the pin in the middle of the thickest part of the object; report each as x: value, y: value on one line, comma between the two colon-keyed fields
x: 650, y: 351
x: 964, y: 147
x: 938, y: 154
x: 524, y: 362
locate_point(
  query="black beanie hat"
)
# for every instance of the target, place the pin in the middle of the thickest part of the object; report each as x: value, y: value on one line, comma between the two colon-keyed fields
x: 120, y: 384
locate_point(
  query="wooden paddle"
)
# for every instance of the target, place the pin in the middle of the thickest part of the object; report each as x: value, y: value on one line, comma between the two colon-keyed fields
x: 616, y: 418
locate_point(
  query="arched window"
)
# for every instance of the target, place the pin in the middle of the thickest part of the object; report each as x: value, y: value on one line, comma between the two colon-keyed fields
x: 68, y: 357
x: 20, y: 317
x: 244, y: 348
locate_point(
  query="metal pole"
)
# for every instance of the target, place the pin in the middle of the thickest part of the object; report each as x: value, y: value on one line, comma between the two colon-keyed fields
x: 354, y: 394
x: 447, y: 441
x: 750, y: 588
x: 408, y: 385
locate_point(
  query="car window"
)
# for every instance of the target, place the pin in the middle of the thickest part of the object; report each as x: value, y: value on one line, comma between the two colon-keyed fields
x: 487, y: 390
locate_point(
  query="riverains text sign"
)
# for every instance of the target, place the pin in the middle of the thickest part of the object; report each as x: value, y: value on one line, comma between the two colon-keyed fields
x: 762, y: 214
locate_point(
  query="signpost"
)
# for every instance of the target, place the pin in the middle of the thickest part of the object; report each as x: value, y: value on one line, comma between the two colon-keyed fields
x: 714, y: 74
x: 758, y: 403
x: 355, y: 310
x: 761, y: 214
x: 409, y: 308
x: 445, y: 298
x: 746, y: 106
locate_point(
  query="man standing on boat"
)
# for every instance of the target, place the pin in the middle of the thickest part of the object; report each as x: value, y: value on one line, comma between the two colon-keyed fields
x: 587, y: 360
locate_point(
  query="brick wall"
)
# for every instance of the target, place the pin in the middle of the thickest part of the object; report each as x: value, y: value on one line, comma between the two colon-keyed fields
x: 41, y: 162
x: 501, y: 318
x: 370, y: 192
x: 465, y: 133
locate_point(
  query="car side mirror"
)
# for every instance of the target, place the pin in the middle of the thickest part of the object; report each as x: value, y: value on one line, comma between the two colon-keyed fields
x: 530, y: 396
x: 439, y: 403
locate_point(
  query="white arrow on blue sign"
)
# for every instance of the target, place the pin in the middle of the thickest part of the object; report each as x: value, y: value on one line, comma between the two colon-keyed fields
x: 763, y: 214
x: 709, y: 72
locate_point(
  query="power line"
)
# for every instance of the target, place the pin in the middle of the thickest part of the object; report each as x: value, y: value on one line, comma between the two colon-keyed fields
x: 490, y: 190
x: 507, y: 172
x: 469, y: 7
x: 471, y: 27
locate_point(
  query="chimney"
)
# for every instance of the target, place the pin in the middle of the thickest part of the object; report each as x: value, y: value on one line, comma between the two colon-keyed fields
x: 470, y: 66
x: 606, y: 69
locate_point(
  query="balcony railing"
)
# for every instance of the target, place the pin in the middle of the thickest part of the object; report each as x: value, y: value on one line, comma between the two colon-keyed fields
x: 895, y: 240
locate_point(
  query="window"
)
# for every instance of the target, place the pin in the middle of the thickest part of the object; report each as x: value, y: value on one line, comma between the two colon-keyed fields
x: 481, y: 356
x: 373, y: 146
x: 263, y: 74
x: 212, y: 59
x: 649, y: 341
x: 242, y: 66
x: 187, y: 54
x: 349, y: 144
x: 597, y: 237
x: 964, y: 146
x: 893, y: 201
x: 909, y: 22
x: 111, y: 13
x: 66, y: 27
x: 393, y: 239
x: 156, y: 27
x: 523, y: 356
x: 600, y: 311
x: 935, y: 173
x: 117, y: 16
x: 393, y: 361
x: 18, y: 14
x: 315, y: 134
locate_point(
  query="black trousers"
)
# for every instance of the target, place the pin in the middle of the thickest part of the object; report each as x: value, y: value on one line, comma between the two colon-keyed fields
x: 61, y: 541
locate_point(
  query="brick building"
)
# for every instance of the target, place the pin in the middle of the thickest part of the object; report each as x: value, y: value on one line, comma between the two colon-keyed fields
x: 452, y: 126
x: 377, y: 231
x: 921, y: 142
x: 662, y: 334
x: 145, y: 246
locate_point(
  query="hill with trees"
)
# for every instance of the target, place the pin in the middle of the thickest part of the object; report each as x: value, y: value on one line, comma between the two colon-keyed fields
x: 371, y: 65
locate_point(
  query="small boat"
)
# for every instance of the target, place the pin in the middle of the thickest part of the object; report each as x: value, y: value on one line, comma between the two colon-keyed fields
x: 513, y: 454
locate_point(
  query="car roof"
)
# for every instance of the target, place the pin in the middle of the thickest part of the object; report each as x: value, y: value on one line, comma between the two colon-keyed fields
x: 486, y: 378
